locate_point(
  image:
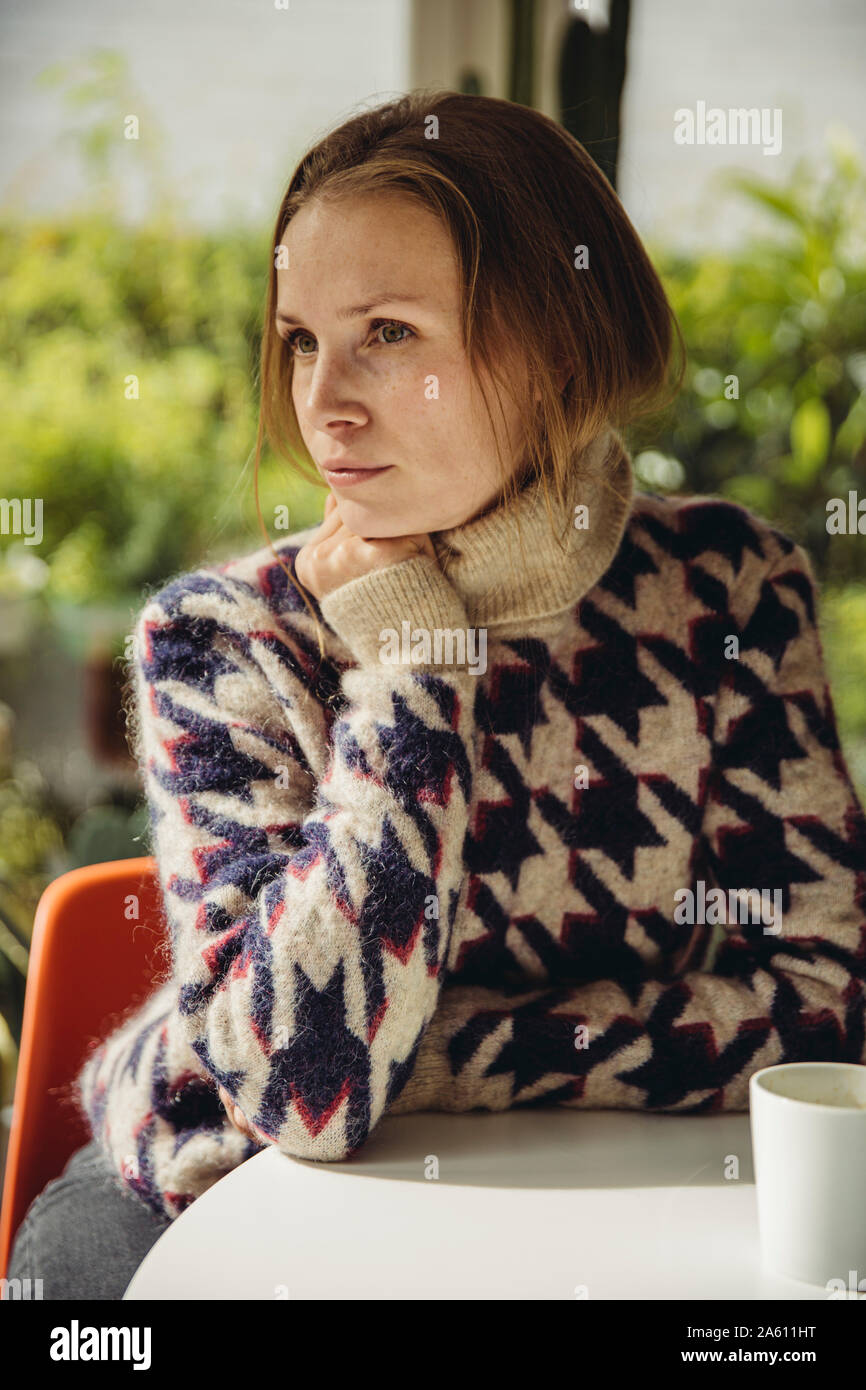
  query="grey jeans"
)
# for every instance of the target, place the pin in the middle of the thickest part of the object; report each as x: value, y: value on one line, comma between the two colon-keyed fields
x: 84, y: 1236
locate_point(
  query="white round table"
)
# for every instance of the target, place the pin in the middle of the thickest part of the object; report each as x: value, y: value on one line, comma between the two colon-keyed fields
x: 528, y: 1204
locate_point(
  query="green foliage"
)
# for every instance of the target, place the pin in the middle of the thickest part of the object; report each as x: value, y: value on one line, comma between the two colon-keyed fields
x: 133, y: 489
x: 785, y: 317
x: 41, y: 837
x: 843, y: 631
x: 31, y: 849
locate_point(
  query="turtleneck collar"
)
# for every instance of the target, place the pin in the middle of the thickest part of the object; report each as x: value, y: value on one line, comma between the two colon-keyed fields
x: 500, y: 583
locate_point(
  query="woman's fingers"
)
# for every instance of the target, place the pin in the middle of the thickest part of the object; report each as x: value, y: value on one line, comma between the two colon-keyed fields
x: 235, y: 1115
x: 334, y: 555
x: 425, y: 546
x: 327, y: 529
x: 243, y: 1124
x: 331, y: 520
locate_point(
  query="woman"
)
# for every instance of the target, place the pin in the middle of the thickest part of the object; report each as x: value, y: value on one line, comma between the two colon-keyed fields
x: 447, y: 793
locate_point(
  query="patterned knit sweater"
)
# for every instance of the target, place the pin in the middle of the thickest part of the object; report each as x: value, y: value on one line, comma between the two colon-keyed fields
x: 616, y: 861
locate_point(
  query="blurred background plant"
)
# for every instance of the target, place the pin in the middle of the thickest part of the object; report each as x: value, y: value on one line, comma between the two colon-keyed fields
x: 773, y: 414
x: 773, y: 409
x: 138, y: 488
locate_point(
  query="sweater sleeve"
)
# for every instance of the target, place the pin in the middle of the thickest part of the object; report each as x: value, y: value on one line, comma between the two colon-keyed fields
x: 310, y: 904
x: 781, y: 814
x: 154, y: 1111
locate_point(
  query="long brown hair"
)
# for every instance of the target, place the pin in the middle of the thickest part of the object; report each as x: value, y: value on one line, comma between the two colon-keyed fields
x: 520, y: 197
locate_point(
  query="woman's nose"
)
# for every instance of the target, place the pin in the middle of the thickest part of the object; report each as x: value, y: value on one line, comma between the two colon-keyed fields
x: 331, y: 393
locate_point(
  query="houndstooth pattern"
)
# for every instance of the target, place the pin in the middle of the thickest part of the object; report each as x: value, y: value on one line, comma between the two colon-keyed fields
x: 387, y: 889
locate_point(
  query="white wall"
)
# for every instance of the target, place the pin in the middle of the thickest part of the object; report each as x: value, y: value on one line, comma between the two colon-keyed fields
x: 807, y: 59
x: 239, y: 89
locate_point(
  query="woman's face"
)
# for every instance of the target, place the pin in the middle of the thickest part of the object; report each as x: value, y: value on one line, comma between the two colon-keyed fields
x: 371, y: 306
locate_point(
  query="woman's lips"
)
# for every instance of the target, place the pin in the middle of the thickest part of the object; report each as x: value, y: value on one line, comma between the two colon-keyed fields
x: 348, y: 477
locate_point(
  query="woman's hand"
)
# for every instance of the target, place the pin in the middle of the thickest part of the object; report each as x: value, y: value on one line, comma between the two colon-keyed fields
x: 238, y: 1118
x: 335, y: 555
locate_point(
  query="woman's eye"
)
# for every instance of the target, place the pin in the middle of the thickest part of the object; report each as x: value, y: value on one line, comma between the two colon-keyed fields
x: 294, y: 338
x: 393, y: 323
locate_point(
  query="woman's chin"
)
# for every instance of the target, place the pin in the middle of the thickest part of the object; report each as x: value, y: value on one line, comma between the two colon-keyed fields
x: 363, y: 521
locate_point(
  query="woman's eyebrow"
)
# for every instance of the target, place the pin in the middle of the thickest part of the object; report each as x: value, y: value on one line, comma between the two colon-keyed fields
x: 359, y: 310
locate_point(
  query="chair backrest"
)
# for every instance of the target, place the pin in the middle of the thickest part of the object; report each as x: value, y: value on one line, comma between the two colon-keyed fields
x: 94, y: 952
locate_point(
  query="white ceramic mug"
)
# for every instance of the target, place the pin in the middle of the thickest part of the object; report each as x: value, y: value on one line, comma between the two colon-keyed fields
x: 808, y: 1123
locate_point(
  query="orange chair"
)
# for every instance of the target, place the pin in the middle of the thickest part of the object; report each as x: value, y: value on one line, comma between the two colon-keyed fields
x: 90, y: 959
